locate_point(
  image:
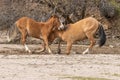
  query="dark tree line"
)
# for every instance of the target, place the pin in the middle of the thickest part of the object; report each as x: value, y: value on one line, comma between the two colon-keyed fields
x: 41, y: 10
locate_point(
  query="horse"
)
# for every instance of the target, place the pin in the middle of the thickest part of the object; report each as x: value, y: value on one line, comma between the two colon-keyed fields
x: 80, y: 30
x: 41, y: 30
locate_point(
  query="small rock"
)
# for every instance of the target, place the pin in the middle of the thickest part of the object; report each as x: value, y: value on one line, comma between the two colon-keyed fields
x: 111, y: 46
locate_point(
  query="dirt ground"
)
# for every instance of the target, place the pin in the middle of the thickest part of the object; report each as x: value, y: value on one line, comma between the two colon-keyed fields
x: 102, y: 64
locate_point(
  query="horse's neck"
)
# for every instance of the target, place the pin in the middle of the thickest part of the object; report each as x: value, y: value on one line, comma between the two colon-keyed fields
x: 49, y: 21
x: 45, y: 25
x: 49, y: 24
x: 40, y: 25
x: 59, y: 33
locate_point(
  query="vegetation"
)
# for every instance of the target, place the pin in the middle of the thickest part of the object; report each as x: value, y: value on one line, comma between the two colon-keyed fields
x: 84, y: 78
x: 116, y: 5
x: 71, y: 10
x: 118, y: 75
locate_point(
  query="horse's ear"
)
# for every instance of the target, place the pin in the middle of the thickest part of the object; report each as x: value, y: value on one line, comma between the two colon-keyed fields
x: 54, y: 16
x: 51, y: 16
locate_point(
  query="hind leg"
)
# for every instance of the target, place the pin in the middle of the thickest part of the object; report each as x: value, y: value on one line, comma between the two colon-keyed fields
x: 92, y: 43
x: 23, y: 40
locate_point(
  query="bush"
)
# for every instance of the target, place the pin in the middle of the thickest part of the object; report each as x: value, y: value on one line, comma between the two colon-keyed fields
x: 107, y: 9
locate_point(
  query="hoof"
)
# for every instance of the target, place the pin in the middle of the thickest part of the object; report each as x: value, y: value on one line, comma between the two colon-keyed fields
x: 51, y: 53
x: 68, y: 53
x: 59, y: 51
x: 29, y: 51
x: 86, y: 51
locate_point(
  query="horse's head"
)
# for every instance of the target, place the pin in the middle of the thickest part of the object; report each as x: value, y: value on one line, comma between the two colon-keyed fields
x: 57, y: 22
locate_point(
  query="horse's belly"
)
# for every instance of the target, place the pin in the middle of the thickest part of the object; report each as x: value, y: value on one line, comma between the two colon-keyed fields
x: 35, y: 35
x: 33, y: 32
x: 74, y: 36
x: 79, y: 37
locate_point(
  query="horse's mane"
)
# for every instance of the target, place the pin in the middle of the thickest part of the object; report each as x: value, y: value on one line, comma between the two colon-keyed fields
x: 52, y: 16
x: 66, y: 27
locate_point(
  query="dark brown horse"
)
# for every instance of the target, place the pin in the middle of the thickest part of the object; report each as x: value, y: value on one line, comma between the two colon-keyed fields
x: 85, y: 28
x: 40, y: 30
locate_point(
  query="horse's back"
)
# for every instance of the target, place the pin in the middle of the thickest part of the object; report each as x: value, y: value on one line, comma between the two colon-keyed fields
x: 87, y: 24
x: 78, y: 30
x: 73, y: 33
x: 22, y: 19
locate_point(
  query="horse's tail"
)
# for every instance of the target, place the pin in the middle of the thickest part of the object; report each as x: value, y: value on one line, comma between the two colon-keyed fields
x: 102, y: 35
x: 12, y: 32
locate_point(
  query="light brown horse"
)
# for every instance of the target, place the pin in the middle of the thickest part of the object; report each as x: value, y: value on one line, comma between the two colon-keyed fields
x: 40, y: 30
x: 85, y: 28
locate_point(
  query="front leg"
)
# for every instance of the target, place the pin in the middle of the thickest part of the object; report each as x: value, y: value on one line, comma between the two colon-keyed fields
x: 69, y: 46
x: 46, y: 44
x: 59, y: 49
x: 43, y: 47
x: 23, y: 40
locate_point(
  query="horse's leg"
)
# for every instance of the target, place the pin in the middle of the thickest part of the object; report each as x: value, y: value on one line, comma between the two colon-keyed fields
x: 59, y: 49
x: 23, y: 40
x: 69, y: 46
x: 92, y: 43
x: 46, y: 44
x: 43, y: 47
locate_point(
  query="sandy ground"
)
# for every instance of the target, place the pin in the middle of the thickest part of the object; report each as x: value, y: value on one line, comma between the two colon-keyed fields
x: 16, y: 64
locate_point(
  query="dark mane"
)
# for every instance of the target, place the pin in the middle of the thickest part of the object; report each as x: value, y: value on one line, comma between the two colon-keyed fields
x: 66, y: 27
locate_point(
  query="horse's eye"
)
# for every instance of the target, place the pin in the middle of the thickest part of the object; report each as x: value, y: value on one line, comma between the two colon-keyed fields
x: 63, y: 23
